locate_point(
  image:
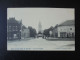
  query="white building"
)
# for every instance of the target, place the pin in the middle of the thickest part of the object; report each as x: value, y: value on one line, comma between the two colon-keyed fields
x: 65, y: 29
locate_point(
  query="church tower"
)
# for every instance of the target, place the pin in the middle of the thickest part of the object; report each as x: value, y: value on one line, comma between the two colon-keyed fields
x: 39, y: 27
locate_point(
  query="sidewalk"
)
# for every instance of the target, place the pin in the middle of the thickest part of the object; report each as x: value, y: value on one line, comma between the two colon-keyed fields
x: 28, y: 38
x: 21, y: 39
x: 60, y: 39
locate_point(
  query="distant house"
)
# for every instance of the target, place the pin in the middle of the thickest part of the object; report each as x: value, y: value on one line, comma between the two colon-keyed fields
x: 13, y: 29
x: 25, y: 33
x: 65, y: 29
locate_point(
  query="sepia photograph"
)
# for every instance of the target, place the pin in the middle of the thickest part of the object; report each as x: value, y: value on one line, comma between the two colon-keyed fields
x: 40, y: 29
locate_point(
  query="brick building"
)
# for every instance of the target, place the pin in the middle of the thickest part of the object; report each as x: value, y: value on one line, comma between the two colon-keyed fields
x: 13, y: 29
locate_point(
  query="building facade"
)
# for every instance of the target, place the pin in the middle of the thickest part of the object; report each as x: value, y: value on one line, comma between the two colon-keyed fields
x: 25, y: 33
x: 13, y: 29
x: 55, y: 31
x: 40, y: 32
x: 65, y: 30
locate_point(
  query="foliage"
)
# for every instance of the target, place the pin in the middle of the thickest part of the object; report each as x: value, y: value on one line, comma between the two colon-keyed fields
x: 32, y: 31
x: 46, y: 31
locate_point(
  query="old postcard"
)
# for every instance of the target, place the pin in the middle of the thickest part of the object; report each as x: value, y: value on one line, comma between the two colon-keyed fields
x: 40, y: 29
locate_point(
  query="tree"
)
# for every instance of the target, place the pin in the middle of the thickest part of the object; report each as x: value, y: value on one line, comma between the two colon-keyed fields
x: 51, y: 29
x: 46, y: 31
x: 32, y: 31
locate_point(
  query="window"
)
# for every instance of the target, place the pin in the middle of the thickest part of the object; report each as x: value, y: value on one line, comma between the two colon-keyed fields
x: 73, y: 35
x: 62, y: 34
x: 9, y: 26
x: 61, y: 29
x: 9, y: 29
x: 13, y: 28
x: 9, y: 37
x: 70, y: 28
x: 16, y: 28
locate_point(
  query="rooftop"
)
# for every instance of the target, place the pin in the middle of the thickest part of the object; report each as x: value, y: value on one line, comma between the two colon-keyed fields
x: 13, y: 20
x: 67, y: 23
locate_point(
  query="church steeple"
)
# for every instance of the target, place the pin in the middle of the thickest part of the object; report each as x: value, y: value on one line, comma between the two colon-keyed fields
x: 39, y: 27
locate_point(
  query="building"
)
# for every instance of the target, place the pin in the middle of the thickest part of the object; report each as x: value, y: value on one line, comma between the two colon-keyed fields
x: 39, y: 30
x: 13, y: 29
x: 25, y: 33
x: 65, y: 29
x: 55, y: 31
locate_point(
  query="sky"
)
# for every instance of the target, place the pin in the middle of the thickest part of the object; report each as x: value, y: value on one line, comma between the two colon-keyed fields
x: 47, y: 16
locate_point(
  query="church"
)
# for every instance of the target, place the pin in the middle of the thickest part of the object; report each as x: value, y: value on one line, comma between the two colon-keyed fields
x: 40, y: 30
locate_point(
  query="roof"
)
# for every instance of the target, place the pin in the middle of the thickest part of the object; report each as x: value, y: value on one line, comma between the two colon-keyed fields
x: 67, y: 23
x: 13, y: 20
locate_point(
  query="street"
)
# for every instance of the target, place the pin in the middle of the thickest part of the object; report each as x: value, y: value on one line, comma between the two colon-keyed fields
x: 40, y: 44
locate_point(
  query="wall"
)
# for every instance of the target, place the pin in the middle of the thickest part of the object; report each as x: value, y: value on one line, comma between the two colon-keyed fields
x: 66, y: 29
x: 25, y: 33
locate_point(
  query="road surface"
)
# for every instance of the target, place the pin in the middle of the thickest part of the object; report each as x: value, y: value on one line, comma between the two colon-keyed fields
x: 39, y: 44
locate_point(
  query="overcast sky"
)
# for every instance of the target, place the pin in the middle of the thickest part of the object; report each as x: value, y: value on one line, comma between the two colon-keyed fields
x: 47, y: 16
